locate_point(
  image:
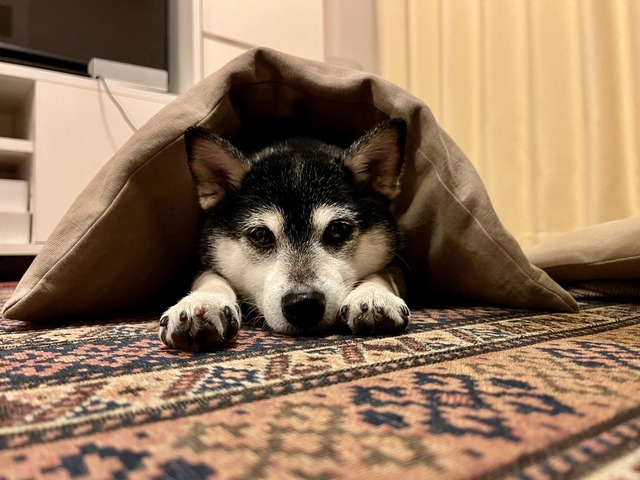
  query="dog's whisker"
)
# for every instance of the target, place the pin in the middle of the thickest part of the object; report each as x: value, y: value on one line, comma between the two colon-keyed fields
x: 401, y: 260
x: 350, y: 283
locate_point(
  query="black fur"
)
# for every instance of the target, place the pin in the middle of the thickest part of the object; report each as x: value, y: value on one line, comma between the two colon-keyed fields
x: 300, y: 174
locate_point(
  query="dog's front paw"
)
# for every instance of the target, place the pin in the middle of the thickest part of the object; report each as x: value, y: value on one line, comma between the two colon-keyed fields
x: 374, y: 310
x: 200, y: 321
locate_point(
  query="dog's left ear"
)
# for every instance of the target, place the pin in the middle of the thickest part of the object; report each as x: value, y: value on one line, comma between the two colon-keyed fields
x: 216, y: 165
x: 376, y: 158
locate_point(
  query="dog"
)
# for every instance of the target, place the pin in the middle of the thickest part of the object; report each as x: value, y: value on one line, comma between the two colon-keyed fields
x: 300, y: 232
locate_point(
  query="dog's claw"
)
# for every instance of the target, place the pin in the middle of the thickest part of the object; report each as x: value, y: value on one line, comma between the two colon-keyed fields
x: 232, y: 327
x: 231, y: 331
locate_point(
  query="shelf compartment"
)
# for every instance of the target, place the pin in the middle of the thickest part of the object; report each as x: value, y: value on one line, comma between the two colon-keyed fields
x: 15, y: 157
x: 16, y: 106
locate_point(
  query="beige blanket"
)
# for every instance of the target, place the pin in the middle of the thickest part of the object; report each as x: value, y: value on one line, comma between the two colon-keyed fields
x: 130, y: 237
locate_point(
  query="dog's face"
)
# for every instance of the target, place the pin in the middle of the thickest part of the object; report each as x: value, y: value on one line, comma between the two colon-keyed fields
x: 295, y: 226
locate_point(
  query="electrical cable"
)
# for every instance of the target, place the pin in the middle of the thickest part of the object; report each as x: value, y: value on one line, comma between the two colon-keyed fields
x: 102, y: 80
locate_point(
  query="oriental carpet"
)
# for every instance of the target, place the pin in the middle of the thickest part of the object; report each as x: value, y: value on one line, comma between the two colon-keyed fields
x: 468, y: 392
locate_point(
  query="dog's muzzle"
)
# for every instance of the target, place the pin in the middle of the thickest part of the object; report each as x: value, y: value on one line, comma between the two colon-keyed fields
x: 303, y: 309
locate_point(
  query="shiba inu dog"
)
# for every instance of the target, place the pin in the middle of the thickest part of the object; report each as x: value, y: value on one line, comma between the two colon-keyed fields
x: 300, y: 232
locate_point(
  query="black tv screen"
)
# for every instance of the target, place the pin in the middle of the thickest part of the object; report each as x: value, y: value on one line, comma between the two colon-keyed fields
x: 65, y: 34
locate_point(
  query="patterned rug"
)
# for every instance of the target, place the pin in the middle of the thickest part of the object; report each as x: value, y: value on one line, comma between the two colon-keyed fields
x: 467, y: 393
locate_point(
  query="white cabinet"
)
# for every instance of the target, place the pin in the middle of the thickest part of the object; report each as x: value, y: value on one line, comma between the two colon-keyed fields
x: 56, y: 132
x: 77, y: 131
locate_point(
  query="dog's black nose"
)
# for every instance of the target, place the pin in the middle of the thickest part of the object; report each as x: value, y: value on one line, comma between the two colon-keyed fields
x: 303, y: 309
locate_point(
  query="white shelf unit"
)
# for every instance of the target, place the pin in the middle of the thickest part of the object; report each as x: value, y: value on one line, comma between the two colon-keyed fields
x: 56, y: 131
x: 16, y: 155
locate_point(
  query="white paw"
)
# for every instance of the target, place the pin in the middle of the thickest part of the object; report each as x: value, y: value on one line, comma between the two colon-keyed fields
x: 371, y: 309
x: 200, y: 321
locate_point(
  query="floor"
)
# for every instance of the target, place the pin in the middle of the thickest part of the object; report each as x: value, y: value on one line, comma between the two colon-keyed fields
x: 13, y: 267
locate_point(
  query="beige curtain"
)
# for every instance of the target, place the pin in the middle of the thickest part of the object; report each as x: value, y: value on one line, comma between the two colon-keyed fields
x: 542, y: 95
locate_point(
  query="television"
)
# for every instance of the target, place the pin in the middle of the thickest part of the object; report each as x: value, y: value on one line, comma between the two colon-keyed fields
x: 64, y: 35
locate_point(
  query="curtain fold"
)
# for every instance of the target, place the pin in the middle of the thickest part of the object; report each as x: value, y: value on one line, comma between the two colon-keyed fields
x: 542, y: 95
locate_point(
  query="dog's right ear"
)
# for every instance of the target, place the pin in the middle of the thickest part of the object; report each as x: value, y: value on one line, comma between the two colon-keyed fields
x: 216, y: 165
x: 376, y: 158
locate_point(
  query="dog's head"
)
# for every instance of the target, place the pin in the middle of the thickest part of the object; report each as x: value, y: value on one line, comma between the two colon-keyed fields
x: 293, y: 227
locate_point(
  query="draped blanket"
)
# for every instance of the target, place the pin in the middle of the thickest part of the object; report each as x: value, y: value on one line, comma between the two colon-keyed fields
x: 131, y: 236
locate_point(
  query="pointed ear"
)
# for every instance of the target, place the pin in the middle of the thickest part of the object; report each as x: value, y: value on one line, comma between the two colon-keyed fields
x: 216, y: 165
x: 376, y: 158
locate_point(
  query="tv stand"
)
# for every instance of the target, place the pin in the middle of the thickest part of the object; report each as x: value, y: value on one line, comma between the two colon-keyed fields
x: 56, y: 131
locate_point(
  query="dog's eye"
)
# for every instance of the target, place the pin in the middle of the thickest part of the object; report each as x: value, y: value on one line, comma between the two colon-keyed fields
x: 262, y: 237
x: 337, y: 232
